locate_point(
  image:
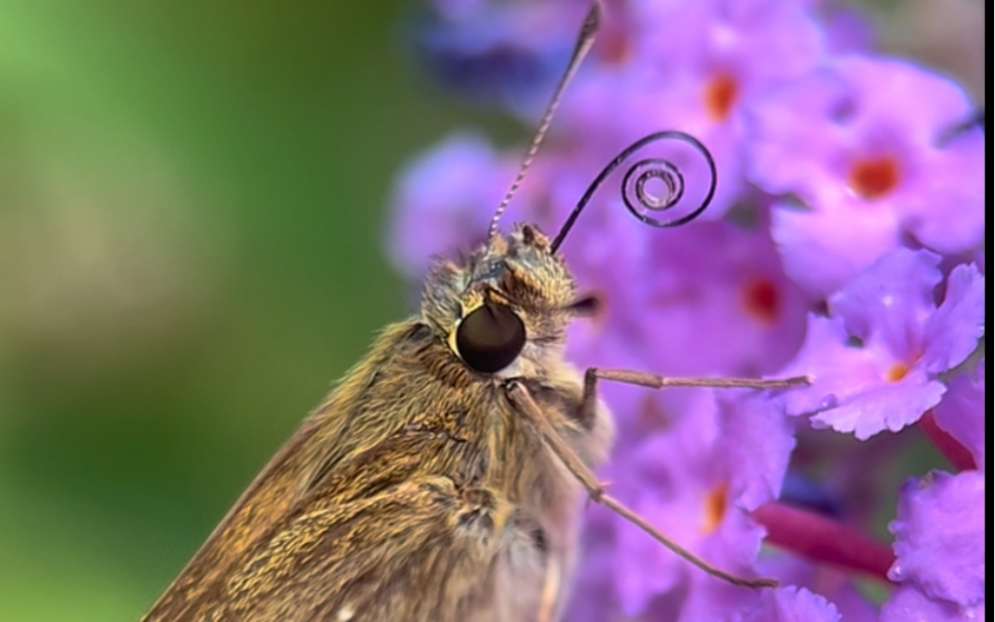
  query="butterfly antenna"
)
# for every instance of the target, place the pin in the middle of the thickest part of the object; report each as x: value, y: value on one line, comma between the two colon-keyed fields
x: 584, y: 42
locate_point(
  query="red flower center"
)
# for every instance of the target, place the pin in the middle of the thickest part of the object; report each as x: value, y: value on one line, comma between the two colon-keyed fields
x: 652, y: 418
x: 614, y: 47
x: 763, y: 301
x: 720, y: 97
x: 875, y: 178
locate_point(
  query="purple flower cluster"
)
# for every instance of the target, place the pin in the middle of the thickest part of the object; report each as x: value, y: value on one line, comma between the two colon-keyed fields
x: 845, y: 242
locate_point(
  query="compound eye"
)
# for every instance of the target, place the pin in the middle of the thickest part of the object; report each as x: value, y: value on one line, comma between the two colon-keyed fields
x: 490, y: 338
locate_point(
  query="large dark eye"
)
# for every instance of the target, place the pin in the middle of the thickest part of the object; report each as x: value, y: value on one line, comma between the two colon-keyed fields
x: 490, y: 338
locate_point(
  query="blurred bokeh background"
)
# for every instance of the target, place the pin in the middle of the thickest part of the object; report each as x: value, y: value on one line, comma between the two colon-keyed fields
x: 192, y: 199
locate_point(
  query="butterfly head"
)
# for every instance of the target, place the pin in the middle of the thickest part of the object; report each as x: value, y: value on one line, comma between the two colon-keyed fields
x: 506, y: 305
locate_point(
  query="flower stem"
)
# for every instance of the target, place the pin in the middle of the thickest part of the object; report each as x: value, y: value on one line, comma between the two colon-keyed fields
x: 955, y: 453
x: 825, y: 540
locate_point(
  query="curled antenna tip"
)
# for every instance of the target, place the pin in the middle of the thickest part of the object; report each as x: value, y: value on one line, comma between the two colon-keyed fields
x: 584, y: 42
x: 638, y: 182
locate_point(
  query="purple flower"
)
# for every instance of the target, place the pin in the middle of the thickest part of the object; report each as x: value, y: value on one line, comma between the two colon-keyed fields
x: 875, y: 360
x: 695, y: 65
x: 454, y: 9
x: 859, y: 143
x: 847, y: 29
x: 712, y: 460
x: 718, y: 601
x: 908, y: 604
x: 712, y: 300
x: 716, y: 301
x: 959, y: 322
x: 441, y: 202
x: 840, y: 254
x: 793, y: 604
x: 963, y: 411
x: 833, y: 584
x: 940, y: 537
x: 499, y: 53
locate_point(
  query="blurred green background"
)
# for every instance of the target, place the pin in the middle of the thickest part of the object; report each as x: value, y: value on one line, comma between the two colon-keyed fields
x: 192, y: 199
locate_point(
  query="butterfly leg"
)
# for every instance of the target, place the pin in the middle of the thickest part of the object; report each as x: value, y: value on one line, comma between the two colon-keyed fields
x: 590, y: 399
x: 522, y: 400
x: 552, y: 590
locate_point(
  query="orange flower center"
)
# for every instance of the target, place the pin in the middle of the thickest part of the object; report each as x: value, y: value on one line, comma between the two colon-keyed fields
x: 874, y: 179
x: 716, y: 505
x: 720, y: 97
x: 763, y: 301
x: 898, y: 372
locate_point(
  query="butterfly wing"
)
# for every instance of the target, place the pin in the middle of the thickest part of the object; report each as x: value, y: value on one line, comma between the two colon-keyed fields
x: 373, y: 511
x: 398, y: 555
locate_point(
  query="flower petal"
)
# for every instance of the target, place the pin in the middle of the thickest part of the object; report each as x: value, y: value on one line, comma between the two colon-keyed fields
x: 940, y: 536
